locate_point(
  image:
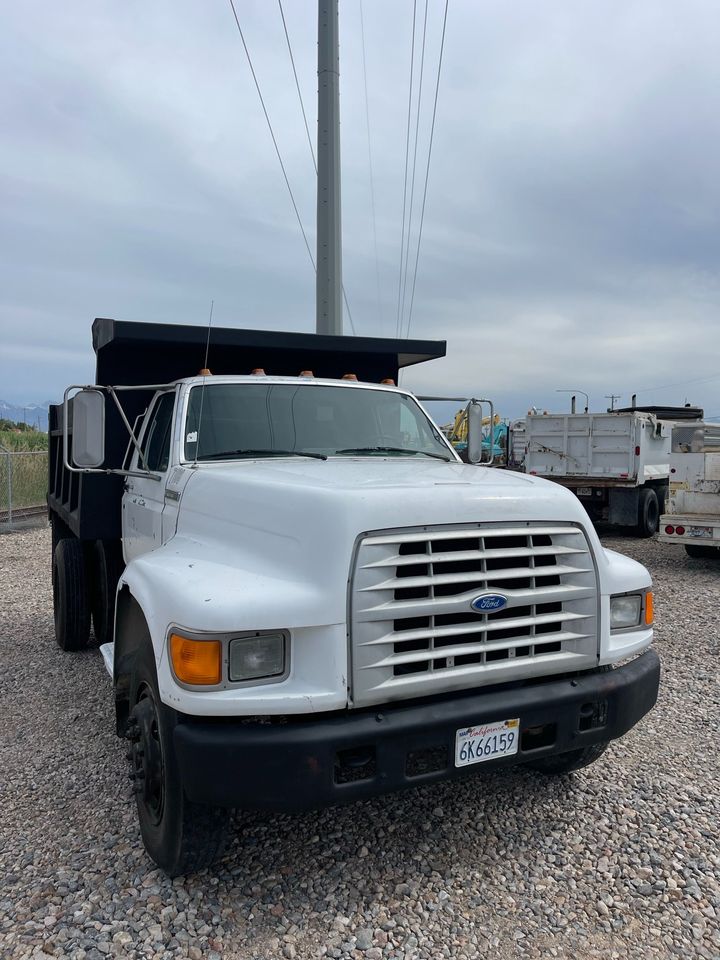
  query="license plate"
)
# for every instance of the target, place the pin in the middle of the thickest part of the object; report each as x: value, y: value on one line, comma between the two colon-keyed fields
x: 584, y: 491
x: 704, y: 533
x: 487, y: 741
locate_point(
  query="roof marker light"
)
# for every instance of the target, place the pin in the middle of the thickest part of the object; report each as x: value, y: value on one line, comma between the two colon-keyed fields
x: 204, y: 372
x: 349, y: 376
x: 306, y: 373
x: 388, y: 381
x: 258, y: 372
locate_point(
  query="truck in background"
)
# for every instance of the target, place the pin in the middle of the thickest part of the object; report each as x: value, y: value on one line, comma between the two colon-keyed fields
x: 617, y: 463
x: 692, y: 517
x: 304, y: 597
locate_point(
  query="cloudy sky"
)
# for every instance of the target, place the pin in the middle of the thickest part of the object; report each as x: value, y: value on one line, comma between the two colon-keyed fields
x: 572, y: 227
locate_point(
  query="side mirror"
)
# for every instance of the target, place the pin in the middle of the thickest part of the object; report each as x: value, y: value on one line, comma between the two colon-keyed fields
x: 475, y: 437
x: 476, y: 452
x: 88, y: 430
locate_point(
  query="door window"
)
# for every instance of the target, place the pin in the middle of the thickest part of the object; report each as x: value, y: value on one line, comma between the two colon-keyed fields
x: 156, y: 440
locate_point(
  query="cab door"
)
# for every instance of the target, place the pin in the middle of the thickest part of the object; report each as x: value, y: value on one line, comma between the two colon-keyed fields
x: 144, y: 499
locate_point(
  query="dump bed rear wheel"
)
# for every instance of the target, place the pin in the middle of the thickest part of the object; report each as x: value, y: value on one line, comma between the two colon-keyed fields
x: 181, y: 837
x: 70, y: 595
x: 648, y: 513
x: 108, y: 565
x: 699, y: 552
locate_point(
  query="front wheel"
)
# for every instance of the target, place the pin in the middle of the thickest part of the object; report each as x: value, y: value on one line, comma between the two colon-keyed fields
x: 573, y: 760
x: 181, y: 837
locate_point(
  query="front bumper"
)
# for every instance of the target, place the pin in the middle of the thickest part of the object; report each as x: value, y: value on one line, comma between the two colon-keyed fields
x: 320, y: 760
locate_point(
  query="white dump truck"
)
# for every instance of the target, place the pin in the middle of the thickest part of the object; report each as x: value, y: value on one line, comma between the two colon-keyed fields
x: 693, y: 506
x: 302, y: 594
x: 616, y: 463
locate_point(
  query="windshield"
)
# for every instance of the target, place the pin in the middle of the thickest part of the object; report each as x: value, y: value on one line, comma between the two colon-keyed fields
x: 234, y: 420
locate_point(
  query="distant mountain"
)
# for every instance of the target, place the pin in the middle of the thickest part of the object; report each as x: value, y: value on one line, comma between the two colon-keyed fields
x: 34, y: 414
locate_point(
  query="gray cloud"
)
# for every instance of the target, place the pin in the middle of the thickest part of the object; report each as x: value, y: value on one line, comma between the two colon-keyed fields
x: 571, y: 229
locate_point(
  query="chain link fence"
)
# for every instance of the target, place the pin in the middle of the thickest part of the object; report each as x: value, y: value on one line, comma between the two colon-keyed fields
x: 23, y: 484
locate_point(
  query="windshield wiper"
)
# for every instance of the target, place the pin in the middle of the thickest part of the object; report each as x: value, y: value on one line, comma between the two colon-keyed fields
x: 424, y: 453
x: 262, y: 453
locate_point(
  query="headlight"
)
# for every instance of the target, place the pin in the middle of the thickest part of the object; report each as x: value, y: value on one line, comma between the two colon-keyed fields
x: 257, y: 658
x: 626, y: 611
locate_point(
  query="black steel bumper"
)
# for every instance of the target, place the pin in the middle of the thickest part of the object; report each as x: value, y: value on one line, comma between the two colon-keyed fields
x: 306, y: 763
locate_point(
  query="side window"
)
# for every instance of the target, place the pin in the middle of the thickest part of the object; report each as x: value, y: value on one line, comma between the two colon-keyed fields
x: 156, y: 441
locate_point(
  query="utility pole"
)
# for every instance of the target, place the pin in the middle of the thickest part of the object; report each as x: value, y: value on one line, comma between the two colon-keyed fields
x: 612, y: 397
x: 328, y: 295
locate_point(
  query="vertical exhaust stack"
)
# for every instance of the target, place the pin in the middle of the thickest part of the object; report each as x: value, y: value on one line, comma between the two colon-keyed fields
x: 329, y: 318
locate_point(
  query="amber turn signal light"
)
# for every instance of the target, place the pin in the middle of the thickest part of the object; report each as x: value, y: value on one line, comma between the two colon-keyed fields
x: 198, y: 662
x: 648, y: 608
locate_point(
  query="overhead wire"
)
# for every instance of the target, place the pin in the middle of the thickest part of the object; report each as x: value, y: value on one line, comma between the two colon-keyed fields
x: 309, y: 138
x: 370, y: 164
x: 682, y: 383
x: 297, y: 86
x: 272, y: 132
x: 427, y: 168
x: 407, y: 154
x: 414, y: 164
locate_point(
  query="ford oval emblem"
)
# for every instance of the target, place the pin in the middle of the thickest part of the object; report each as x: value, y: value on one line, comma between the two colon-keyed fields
x: 489, y: 602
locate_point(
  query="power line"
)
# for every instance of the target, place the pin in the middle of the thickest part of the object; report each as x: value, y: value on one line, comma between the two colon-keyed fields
x: 370, y: 163
x: 427, y: 168
x: 682, y: 383
x: 414, y: 165
x: 272, y: 134
x: 407, y: 154
x: 297, y: 86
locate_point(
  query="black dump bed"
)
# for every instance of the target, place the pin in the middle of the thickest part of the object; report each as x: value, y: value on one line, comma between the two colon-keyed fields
x: 132, y: 354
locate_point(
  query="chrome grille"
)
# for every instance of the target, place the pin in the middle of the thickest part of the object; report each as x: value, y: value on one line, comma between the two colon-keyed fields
x: 415, y: 633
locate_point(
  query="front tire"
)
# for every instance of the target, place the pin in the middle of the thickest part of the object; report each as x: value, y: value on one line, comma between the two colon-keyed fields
x: 71, y: 605
x: 573, y: 760
x: 180, y: 836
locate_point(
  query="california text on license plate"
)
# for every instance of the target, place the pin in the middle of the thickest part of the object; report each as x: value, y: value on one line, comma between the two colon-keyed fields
x: 487, y: 741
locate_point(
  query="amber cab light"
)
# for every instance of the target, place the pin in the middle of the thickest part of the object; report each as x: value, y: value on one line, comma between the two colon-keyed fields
x: 669, y: 529
x: 349, y: 376
x: 680, y: 531
x: 648, y: 608
x: 198, y: 662
x: 258, y: 372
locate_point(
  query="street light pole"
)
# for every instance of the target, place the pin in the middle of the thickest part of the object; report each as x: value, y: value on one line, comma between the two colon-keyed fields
x: 587, y: 399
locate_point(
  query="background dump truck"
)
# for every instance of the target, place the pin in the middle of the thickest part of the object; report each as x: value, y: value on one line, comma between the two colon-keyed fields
x: 693, y: 507
x: 302, y: 594
x: 616, y: 463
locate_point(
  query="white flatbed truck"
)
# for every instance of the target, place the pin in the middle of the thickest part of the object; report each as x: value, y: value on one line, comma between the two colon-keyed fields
x: 303, y: 595
x: 692, y: 517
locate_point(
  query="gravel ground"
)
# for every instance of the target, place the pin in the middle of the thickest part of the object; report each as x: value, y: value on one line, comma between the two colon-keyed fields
x: 616, y: 861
